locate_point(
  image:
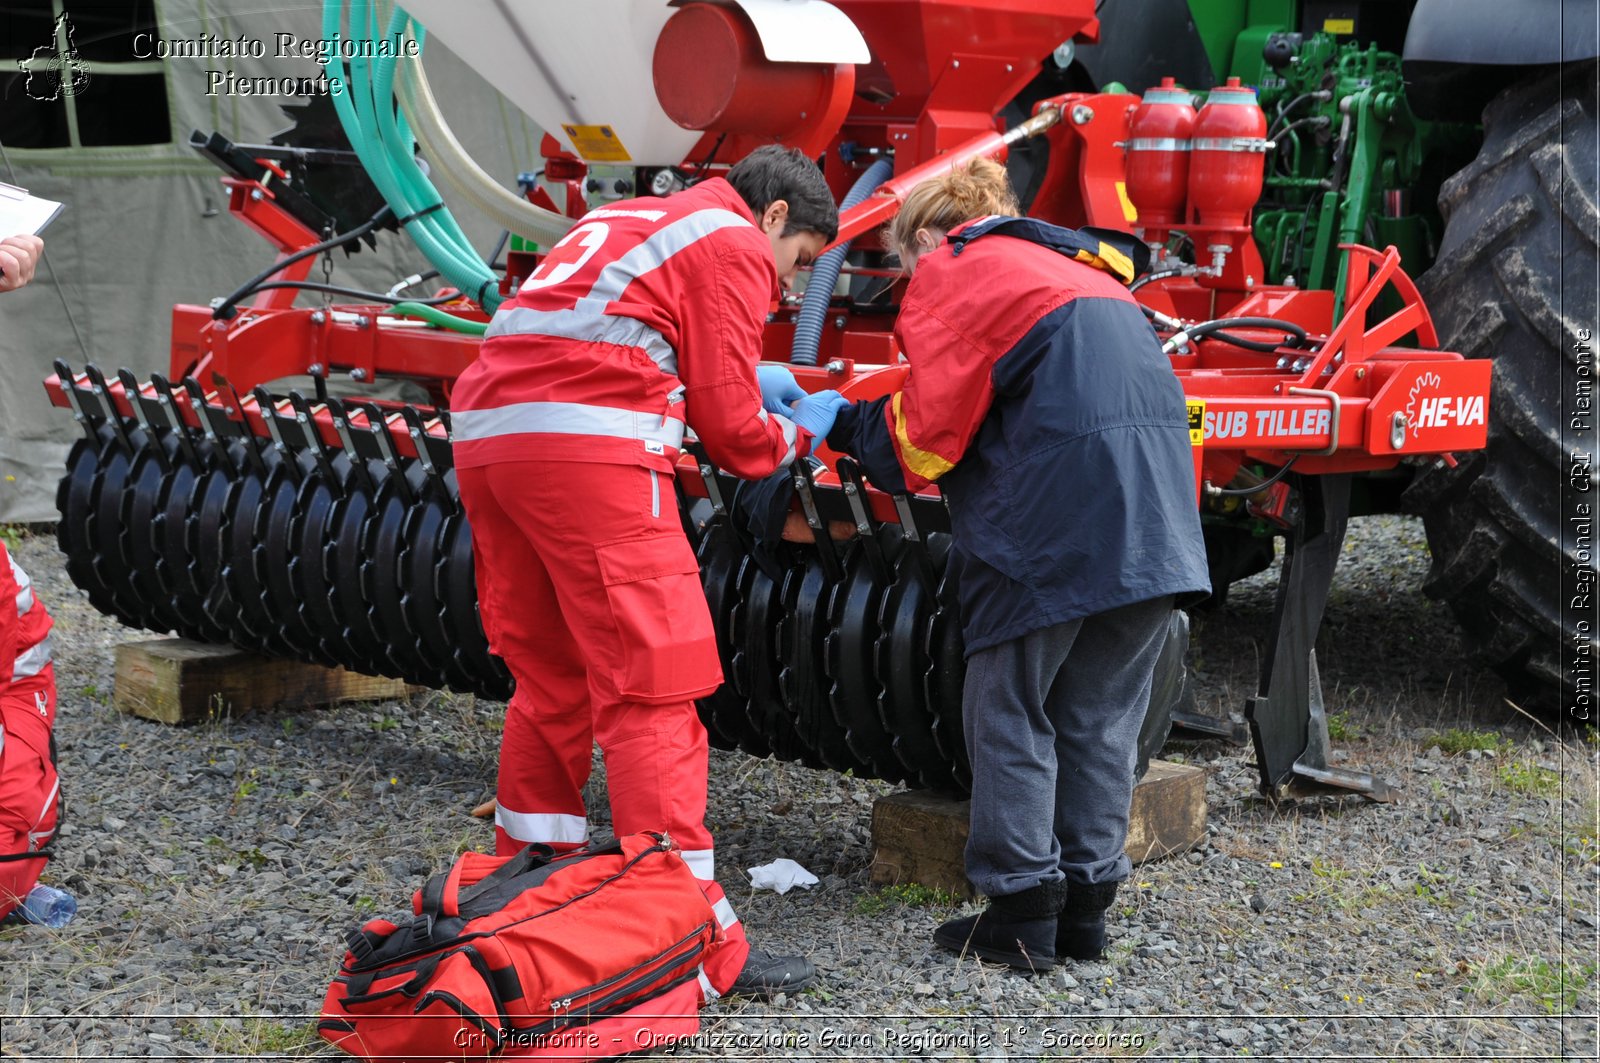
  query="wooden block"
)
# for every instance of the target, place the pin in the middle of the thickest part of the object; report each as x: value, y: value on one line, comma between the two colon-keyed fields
x: 178, y: 681
x: 921, y: 837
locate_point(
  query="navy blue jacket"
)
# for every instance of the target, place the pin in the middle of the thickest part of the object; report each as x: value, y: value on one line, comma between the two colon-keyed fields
x: 1040, y: 401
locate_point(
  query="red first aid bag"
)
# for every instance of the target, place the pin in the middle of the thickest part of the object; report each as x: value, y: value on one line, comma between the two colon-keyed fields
x: 587, y: 954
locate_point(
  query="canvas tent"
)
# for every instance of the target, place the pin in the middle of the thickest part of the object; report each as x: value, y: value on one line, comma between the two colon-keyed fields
x: 146, y: 224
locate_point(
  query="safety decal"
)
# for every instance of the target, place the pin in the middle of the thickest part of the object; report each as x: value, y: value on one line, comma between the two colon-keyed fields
x: 1197, y: 422
x: 597, y: 143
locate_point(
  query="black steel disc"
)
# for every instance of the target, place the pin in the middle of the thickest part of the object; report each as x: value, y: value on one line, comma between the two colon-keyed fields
x: 342, y: 559
x: 853, y: 688
x: 421, y: 535
x: 252, y: 626
x: 723, y: 711
x: 205, y: 541
x: 180, y: 499
x: 309, y: 576
x: 755, y: 663
x: 457, y: 589
x: 801, y: 680
x: 75, y: 503
x: 275, y: 549
x: 901, y: 664
x: 104, y: 534
x: 380, y: 576
x: 946, y: 651
x: 141, y: 502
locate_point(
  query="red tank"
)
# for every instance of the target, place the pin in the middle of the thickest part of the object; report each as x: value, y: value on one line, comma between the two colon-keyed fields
x: 1158, y: 159
x: 1227, y: 163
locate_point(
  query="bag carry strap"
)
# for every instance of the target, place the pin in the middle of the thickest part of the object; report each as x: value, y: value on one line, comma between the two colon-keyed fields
x: 442, y: 897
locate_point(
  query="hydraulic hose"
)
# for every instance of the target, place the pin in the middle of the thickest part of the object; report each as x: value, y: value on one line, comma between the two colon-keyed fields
x: 442, y: 318
x: 1295, y: 336
x: 462, y: 173
x: 825, y: 272
x: 385, y: 147
x: 224, y: 309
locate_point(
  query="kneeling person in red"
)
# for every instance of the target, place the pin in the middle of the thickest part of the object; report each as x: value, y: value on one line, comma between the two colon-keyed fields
x: 645, y: 318
x: 28, y: 789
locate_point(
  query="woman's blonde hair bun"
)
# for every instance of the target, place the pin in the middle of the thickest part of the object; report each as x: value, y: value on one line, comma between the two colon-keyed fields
x: 975, y: 189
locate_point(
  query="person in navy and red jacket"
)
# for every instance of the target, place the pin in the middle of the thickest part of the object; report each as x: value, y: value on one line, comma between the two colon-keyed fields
x: 643, y: 321
x: 29, y: 793
x: 1039, y: 400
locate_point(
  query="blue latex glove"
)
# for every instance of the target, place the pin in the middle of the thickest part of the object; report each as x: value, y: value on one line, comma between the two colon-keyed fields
x: 815, y: 413
x: 778, y: 388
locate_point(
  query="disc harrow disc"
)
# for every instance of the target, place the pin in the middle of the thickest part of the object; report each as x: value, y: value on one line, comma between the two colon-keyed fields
x: 723, y: 711
x: 901, y: 666
x: 801, y: 680
x: 853, y: 687
x: 341, y: 564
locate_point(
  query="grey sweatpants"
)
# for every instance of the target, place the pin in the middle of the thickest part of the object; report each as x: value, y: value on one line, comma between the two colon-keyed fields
x: 1052, y: 725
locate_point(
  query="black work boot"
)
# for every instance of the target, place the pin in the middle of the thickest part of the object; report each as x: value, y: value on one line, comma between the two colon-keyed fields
x: 1018, y: 930
x: 765, y: 975
x: 1081, y: 930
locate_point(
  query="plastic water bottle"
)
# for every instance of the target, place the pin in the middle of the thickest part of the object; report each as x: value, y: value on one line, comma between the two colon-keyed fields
x: 47, y: 906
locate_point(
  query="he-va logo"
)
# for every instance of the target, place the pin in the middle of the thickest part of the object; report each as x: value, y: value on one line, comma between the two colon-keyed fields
x: 1424, y: 410
x: 55, y: 71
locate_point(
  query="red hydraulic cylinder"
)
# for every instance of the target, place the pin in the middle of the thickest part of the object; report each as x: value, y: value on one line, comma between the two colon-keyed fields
x: 1226, y: 167
x: 1158, y: 149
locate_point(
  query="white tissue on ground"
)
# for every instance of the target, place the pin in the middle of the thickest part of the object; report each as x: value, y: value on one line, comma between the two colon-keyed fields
x: 781, y: 875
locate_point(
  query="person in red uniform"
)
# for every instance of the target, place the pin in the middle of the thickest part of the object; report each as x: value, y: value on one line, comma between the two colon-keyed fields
x: 1039, y: 400
x: 644, y: 321
x: 29, y: 794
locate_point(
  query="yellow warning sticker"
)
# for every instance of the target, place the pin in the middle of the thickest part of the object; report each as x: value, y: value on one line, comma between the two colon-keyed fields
x: 1129, y: 211
x: 1197, y: 422
x: 1338, y: 25
x: 597, y: 143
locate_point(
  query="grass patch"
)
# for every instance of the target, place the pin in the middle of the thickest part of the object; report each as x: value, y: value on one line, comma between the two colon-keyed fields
x: 1524, y: 778
x: 253, y: 1036
x: 12, y: 535
x: 1340, y: 728
x: 1557, y: 987
x: 1457, y: 741
x: 909, y: 895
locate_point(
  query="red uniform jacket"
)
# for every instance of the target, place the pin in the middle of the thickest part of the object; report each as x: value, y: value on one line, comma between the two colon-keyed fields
x: 645, y: 317
x: 1041, y: 403
x: 28, y: 787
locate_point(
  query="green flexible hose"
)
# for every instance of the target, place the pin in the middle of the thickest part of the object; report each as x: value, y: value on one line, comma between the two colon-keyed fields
x: 434, y: 316
x: 387, y: 150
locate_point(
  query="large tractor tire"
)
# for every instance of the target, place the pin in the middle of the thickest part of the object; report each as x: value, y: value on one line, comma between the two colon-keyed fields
x: 1514, y: 281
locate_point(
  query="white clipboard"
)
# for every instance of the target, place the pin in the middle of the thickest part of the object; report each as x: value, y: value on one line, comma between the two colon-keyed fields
x: 22, y: 214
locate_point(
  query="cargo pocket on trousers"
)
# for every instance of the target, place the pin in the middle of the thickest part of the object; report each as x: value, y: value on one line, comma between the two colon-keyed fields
x: 668, y: 648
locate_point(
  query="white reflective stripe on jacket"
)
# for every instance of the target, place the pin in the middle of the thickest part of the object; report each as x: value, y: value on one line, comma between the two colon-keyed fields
x: 30, y: 660
x: 566, y: 418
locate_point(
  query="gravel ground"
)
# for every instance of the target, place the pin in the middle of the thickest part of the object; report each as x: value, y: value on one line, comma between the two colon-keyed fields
x: 218, y: 866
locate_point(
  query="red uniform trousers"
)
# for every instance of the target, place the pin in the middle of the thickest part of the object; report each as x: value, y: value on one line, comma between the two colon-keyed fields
x: 590, y: 593
x: 28, y: 789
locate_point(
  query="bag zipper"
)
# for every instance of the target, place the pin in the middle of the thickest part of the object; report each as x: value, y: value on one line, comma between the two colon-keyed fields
x: 596, y: 1009
x: 655, y: 493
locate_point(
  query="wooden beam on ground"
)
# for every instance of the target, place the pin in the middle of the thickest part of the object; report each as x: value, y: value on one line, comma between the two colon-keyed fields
x: 178, y: 681
x: 920, y: 837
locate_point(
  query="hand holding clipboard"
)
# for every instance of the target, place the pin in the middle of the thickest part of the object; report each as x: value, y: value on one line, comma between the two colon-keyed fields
x: 22, y: 218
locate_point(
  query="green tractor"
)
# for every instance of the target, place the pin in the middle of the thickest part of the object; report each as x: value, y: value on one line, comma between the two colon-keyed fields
x: 1465, y: 136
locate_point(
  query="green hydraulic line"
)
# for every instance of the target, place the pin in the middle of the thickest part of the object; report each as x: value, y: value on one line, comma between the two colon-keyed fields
x: 396, y: 132
x: 386, y: 151
x: 434, y: 316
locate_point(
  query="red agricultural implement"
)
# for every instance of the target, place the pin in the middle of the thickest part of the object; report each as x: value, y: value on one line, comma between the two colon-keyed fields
x: 329, y: 528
